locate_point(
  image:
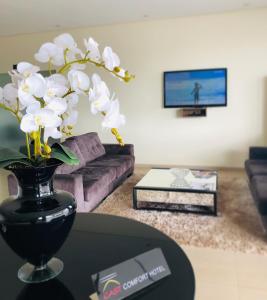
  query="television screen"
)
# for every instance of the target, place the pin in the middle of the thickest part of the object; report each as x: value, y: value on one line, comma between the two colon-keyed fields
x: 195, y: 88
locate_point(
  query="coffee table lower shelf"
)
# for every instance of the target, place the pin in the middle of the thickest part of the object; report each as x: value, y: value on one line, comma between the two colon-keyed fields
x: 171, y: 206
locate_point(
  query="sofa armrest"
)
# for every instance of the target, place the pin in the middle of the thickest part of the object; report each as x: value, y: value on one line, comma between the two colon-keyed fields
x: 127, y: 149
x: 72, y: 183
x: 258, y: 152
x: 12, y: 185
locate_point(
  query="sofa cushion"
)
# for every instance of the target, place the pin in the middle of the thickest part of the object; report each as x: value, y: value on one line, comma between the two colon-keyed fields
x: 97, y: 183
x: 105, y: 174
x: 121, y: 163
x: 258, y: 186
x: 256, y: 167
x: 73, y: 146
x: 90, y: 146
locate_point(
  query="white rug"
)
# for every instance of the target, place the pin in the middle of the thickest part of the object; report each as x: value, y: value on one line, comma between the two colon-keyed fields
x: 237, y: 228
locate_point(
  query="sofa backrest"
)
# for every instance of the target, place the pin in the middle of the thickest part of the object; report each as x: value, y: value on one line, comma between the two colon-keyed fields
x: 73, y: 146
x: 90, y: 146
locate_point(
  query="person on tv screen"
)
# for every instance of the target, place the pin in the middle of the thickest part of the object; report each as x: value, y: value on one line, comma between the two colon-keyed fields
x: 196, y: 91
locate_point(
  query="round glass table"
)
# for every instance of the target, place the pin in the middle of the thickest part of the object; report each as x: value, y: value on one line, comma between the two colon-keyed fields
x: 95, y: 243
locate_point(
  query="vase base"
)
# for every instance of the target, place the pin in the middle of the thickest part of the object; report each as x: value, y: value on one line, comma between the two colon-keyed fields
x: 29, y: 273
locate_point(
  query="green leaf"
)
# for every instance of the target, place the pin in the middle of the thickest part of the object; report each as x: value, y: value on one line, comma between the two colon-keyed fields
x: 10, y: 154
x: 64, y: 154
x: 57, y: 154
x: 65, y: 149
x: 7, y: 163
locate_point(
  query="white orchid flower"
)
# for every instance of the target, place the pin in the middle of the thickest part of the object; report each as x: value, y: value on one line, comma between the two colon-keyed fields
x: 58, y: 105
x: 28, y: 123
x: 31, y: 109
x: 16, y: 77
x: 99, y: 95
x: 96, y: 79
x: 110, y: 58
x: 92, y: 46
x: 26, y: 69
x: 51, y: 132
x: 50, y: 52
x: 99, y: 86
x: 72, y: 100
x: 55, y: 87
x: 66, y: 42
x: 37, y: 117
x: 113, y: 118
x: 31, y: 87
x: 71, y: 56
x: 10, y: 92
x: 59, y: 79
x: 79, y: 81
x: 100, y: 105
x: 10, y: 95
x: 71, y: 118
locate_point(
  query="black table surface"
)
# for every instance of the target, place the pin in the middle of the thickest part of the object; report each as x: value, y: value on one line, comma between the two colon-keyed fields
x: 95, y: 243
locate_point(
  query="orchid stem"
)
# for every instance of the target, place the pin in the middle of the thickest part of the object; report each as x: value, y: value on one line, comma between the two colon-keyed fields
x: 28, y: 146
x: 68, y: 93
x: 50, y: 67
x: 98, y: 64
x: 11, y: 111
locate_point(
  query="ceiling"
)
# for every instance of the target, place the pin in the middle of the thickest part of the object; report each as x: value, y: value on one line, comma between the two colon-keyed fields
x: 29, y: 16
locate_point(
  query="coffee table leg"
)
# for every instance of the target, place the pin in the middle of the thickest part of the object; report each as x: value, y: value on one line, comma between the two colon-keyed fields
x: 185, y: 208
x: 134, y: 198
x: 215, y: 204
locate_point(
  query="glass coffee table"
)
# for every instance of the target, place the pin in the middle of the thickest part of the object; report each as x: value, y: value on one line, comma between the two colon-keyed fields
x: 184, y: 190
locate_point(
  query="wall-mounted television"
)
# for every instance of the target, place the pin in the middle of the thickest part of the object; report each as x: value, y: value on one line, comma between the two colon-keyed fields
x: 195, y: 88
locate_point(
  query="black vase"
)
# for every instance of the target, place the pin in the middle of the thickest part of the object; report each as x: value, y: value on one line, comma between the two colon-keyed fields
x: 36, y: 223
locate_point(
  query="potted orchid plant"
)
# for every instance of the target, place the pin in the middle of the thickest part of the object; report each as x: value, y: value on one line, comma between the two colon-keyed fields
x: 45, y: 108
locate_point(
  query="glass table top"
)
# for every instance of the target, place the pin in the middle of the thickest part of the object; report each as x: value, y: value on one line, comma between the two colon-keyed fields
x: 177, y: 178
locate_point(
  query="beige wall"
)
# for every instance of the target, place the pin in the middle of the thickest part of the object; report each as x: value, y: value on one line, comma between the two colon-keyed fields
x: 237, y: 41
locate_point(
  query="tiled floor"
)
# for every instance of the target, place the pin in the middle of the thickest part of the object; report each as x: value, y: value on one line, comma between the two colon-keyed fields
x: 228, y: 276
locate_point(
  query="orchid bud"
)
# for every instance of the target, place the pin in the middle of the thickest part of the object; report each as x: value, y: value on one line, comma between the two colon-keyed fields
x: 117, y: 69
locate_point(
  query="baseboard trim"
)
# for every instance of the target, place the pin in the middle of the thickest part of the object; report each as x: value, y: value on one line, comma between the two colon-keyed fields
x: 190, y: 167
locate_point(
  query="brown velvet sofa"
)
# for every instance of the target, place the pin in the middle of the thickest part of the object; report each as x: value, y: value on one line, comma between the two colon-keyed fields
x: 102, y: 168
x: 256, y: 168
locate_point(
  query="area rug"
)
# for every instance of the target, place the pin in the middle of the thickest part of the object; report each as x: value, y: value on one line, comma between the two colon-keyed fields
x: 237, y: 227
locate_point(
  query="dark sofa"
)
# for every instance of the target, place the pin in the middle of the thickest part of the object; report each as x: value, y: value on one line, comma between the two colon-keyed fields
x: 256, y: 168
x: 102, y: 168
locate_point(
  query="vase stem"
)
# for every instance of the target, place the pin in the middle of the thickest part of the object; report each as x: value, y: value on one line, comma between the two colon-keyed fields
x: 29, y: 273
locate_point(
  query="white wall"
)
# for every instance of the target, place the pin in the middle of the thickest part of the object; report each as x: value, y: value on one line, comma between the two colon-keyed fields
x: 236, y: 40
